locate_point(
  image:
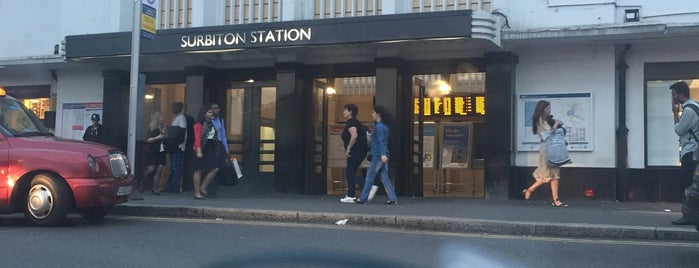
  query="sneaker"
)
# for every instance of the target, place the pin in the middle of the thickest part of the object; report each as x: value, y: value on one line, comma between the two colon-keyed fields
x: 391, y: 202
x: 373, y: 191
x: 347, y: 199
x: 357, y: 201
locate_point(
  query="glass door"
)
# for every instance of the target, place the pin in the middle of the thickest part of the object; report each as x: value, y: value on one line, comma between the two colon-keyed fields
x: 250, y: 120
x: 317, y: 170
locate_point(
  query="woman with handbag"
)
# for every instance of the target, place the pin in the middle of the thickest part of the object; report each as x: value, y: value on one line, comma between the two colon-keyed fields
x: 210, y: 154
x: 542, y: 123
x: 156, y: 150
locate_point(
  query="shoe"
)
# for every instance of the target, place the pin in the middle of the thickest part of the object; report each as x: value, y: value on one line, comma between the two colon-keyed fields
x: 347, y: 199
x: 198, y: 197
x: 373, y: 191
x: 154, y: 192
x: 681, y: 221
x: 358, y: 201
x: 391, y: 202
x: 527, y: 198
x: 560, y: 204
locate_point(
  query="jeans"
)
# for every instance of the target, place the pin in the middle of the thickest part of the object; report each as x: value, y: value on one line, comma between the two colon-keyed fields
x: 173, y: 180
x: 381, y: 168
x: 353, y: 163
x: 688, y: 165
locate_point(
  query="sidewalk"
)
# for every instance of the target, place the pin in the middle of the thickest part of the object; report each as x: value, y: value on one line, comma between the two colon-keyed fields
x: 584, y: 218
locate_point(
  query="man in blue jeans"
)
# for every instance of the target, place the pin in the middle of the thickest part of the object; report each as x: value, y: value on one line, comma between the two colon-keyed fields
x: 179, y: 123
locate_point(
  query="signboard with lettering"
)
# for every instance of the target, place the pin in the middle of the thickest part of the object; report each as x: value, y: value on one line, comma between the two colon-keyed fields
x: 468, y: 105
x: 455, y: 145
x: 149, y: 12
x: 354, y: 30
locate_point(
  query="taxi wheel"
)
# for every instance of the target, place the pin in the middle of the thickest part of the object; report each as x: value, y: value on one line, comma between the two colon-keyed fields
x: 94, y: 214
x: 48, y: 201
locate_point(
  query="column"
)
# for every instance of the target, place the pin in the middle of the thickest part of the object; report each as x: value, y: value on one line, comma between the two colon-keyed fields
x: 294, y: 131
x: 394, y: 91
x: 499, y: 105
x: 115, y: 109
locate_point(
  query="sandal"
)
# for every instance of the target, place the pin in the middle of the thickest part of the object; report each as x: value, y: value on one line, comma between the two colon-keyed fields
x: 527, y: 198
x: 559, y: 205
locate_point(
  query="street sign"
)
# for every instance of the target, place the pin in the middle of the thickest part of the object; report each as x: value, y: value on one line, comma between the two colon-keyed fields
x: 149, y: 12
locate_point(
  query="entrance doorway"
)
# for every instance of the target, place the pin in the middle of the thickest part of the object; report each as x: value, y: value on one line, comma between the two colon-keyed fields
x: 250, y: 119
x: 449, y: 111
x: 340, y: 91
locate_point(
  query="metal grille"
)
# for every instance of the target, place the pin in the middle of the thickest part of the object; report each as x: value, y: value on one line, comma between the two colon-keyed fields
x: 471, y: 83
x: 175, y: 14
x: 444, y: 5
x: 323, y: 9
x: 251, y: 11
x: 357, y: 86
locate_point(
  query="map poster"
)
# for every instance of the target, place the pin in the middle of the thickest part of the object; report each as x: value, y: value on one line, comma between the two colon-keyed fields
x: 573, y: 109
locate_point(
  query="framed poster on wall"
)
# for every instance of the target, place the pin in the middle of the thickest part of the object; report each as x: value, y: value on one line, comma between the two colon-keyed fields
x: 573, y: 109
x: 76, y: 118
x: 455, y: 145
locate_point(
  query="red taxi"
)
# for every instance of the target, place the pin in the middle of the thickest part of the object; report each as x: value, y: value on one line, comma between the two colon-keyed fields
x: 47, y: 177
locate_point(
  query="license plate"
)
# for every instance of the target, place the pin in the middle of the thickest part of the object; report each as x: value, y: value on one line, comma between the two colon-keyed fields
x: 124, y: 190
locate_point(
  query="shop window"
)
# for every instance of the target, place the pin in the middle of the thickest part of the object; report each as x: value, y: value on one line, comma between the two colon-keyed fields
x: 38, y: 106
x: 662, y: 144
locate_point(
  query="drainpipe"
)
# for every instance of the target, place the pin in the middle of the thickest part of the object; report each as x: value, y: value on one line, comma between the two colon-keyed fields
x: 622, y: 141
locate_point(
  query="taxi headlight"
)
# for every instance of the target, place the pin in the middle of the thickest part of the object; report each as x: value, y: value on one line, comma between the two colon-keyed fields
x: 119, y: 164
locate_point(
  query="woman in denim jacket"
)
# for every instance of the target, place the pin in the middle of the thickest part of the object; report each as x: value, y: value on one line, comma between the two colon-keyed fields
x: 379, y: 157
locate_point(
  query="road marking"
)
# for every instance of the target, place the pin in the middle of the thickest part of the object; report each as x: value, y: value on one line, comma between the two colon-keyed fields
x: 420, y: 232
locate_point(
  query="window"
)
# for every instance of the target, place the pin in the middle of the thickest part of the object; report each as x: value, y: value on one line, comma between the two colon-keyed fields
x: 662, y: 144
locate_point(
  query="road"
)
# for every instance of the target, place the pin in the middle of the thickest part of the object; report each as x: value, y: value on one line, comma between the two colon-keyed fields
x: 164, y: 242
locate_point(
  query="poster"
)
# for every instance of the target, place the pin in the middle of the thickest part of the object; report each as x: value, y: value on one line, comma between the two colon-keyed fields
x: 455, y: 141
x: 573, y: 109
x: 76, y: 118
x: 428, y: 145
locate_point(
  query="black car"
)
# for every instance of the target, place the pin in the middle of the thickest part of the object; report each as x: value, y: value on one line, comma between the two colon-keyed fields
x: 690, y: 205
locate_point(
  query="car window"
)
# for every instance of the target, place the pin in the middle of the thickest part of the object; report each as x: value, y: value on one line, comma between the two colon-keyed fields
x: 18, y: 121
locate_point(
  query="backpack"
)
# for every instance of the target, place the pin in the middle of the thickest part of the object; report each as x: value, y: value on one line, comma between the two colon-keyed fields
x: 694, y: 135
x: 363, y: 136
x: 556, y: 148
x: 175, y: 137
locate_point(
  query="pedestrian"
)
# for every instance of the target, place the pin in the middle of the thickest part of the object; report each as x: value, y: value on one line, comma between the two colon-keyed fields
x: 209, y: 152
x: 686, y: 128
x: 542, y: 121
x: 189, y: 155
x: 224, y: 175
x: 155, y: 160
x: 93, y: 133
x: 355, y: 140
x: 379, y: 157
x: 177, y: 138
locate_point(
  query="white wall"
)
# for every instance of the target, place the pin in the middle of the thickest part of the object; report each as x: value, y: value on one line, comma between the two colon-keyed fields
x: 77, y: 86
x: 573, y: 68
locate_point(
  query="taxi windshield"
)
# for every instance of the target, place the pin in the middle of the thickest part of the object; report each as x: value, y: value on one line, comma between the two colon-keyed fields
x: 18, y: 121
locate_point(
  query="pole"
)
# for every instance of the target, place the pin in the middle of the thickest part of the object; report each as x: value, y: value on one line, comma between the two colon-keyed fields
x: 133, y: 90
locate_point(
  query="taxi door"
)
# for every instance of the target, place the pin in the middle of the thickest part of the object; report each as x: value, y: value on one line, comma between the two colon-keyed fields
x: 4, y: 166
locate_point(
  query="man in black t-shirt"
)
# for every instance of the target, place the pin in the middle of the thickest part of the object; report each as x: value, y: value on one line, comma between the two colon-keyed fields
x: 355, y: 150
